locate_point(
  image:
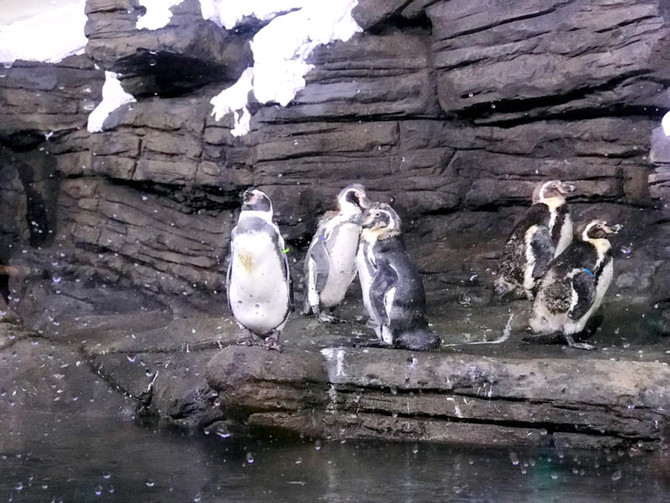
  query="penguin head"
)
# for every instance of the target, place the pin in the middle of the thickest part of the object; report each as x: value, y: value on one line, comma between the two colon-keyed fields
x: 551, y: 189
x: 352, y: 200
x: 597, y: 229
x: 256, y: 200
x: 380, y: 221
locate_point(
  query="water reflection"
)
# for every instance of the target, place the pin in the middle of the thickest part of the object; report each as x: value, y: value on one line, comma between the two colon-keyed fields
x: 63, y: 458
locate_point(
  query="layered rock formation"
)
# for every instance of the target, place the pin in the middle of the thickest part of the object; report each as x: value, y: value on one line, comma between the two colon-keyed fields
x: 450, y: 110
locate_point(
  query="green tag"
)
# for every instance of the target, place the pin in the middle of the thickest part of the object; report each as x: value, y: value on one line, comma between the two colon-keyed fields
x: 285, y: 251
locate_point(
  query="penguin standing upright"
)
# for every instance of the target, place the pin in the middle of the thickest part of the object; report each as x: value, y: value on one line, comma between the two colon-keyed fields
x: 541, y: 235
x: 259, y: 281
x: 574, y: 286
x: 330, y: 264
x: 392, y: 288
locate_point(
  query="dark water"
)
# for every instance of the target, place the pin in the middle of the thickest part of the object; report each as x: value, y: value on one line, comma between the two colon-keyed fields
x: 61, y: 458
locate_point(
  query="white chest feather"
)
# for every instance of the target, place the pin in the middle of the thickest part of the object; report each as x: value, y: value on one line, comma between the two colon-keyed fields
x: 258, y: 289
x: 342, y: 244
x: 366, y: 269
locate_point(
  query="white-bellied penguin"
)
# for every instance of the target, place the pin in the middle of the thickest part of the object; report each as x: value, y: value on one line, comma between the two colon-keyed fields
x: 573, y: 288
x: 259, y: 281
x: 330, y: 264
x: 392, y: 288
x: 541, y: 235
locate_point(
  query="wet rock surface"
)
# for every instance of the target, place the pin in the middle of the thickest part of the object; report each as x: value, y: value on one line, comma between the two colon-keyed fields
x: 451, y: 111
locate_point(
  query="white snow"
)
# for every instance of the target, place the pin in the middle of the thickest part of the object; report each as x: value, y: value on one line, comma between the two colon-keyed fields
x: 281, y: 48
x: 228, y: 13
x: 157, y: 15
x: 234, y: 99
x: 50, y: 36
x: 113, y: 96
x: 665, y: 123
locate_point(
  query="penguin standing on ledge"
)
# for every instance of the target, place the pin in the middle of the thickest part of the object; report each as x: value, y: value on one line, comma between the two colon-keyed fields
x: 541, y: 235
x: 392, y: 288
x: 259, y: 280
x: 330, y: 264
x: 574, y: 286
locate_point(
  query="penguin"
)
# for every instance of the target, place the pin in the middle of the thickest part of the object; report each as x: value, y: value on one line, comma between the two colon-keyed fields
x: 543, y: 233
x: 259, y: 281
x: 573, y: 288
x: 330, y: 264
x: 392, y: 288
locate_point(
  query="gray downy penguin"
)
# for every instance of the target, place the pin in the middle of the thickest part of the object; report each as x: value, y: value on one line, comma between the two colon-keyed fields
x: 392, y: 288
x: 543, y: 233
x: 259, y: 281
x: 330, y: 264
x: 573, y: 288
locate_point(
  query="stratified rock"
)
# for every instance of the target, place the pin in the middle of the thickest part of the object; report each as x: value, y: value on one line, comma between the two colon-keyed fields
x: 368, y: 13
x: 549, y: 57
x: 344, y: 393
x: 188, y: 53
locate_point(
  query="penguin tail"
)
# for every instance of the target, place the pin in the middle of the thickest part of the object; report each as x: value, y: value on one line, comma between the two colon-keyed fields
x: 419, y: 339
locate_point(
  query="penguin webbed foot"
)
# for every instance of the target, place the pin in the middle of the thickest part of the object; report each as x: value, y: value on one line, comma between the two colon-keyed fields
x: 372, y: 343
x: 324, y: 317
x: 272, y: 342
x: 558, y: 338
x: 246, y: 338
x: 578, y: 345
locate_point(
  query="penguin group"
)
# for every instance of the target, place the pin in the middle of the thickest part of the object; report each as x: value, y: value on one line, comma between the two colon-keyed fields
x: 566, y: 278
x: 359, y: 238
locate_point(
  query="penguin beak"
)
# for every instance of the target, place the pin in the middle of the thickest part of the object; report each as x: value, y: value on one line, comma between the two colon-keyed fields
x: 362, y: 200
x: 612, y: 230
x: 249, y: 196
x: 564, y: 188
x: 358, y: 219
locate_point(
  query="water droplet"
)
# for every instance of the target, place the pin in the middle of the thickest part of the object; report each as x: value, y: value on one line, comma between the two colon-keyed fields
x: 415, y: 448
x: 617, y: 475
x: 131, y: 358
x: 626, y: 250
x: 8, y: 64
x: 150, y: 483
x: 317, y: 445
x: 56, y: 280
x: 514, y: 458
x: 250, y: 458
x: 98, y: 489
x: 298, y: 461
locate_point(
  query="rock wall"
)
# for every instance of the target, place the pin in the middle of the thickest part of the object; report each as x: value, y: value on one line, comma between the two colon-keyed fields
x: 451, y: 111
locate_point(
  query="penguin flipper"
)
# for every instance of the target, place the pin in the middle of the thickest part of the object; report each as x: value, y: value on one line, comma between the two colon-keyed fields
x: 385, y: 279
x: 318, y: 253
x: 543, y: 249
x: 289, y: 278
x: 584, y: 285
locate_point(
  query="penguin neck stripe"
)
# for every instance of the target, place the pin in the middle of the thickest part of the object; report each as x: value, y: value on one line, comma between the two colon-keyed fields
x: 589, y: 272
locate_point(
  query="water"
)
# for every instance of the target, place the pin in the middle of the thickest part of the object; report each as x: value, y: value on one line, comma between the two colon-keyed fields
x: 64, y: 458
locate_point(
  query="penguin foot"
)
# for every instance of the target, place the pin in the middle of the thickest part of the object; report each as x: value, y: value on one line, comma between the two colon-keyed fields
x: 372, y: 343
x: 246, y: 338
x: 272, y: 342
x: 578, y: 345
x: 324, y: 317
x: 558, y: 338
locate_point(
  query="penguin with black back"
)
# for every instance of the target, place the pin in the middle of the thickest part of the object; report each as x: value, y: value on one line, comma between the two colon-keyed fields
x: 259, y: 281
x: 392, y: 289
x: 573, y: 288
x: 543, y: 233
x: 330, y: 264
